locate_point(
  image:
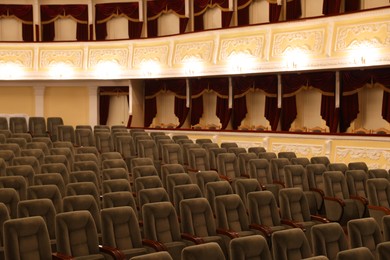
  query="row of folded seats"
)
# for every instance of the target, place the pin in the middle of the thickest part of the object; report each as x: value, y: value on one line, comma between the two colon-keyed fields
x: 155, y: 181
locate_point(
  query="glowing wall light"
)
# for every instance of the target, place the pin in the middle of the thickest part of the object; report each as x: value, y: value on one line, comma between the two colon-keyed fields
x: 193, y: 66
x: 10, y: 70
x: 364, y: 53
x: 107, y: 69
x: 150, y: 68
x: 61, y: 70
x: 295, y: 58
x: 240, y: 62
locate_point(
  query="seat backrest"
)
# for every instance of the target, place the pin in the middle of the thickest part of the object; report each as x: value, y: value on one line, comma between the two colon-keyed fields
x: 260, y: 202
x: 244, y: 186
x: 66, y: 133
x: 120, y: 228
x: 355, y: 253
x: 243, y: 161
x: 328, y: 239
x: 119, y: 199
x: 288, y: 155
x: 335, y: 185
x: 338, y: 167
x: 227, y: 165
x: 15, y: 148
x: 36, y: 153
x: 104, y: 142
x: 300, y: 160
x: 236, y: 150
x: 213, y: 154
x: 114, y: 173
x: 29, y: 160
x: 3, y: 123
x: 386, y: 227
x: 320, y: 159
x: 115, y: 185
x: 315, y: 175
x: 69, y: 226
x: 37, y: 126
x: 231, y: 213
x: 26, y: 171
x: 249, y: 247
x: 125, y: 146
x: 204, y: 177
x: 167, y: 169
x: 172, y: 154
x: 364, y: 232
x: 16, y: 182
x: 183, y: 192
x: 147, y: 182
x: 179, y: 137
x: 203, y: 251
x: 18, y: 124
x: 10, y: 198
x: 185, y: 148
x: 267, y: 155
x: 83, y: 202
x: 160, y: 222
x: 56, y: 168
x: 174, y: 180
x: 260, y: 170
x: 290, y: 244
x: 356, y: 181
x: 83, y: 188
x: 378, y: 191
x: 114, y: 163
x: 148, y: 149
x: 277, y: 168
x: 197, y: 217
x: 214, y: 189
x: 378, y: 173
x: 198, y: 159
x: 142, y: 171
x: 294, y: 205
x: 295, y: 176
x: 26, y: 238
x: 84, y: 137
x: 49, y: 191
x: 160, y: 142
x: 4, y: 216
x: 358, y: 166
x: 140, y: 162
x: 39, y: 207
x: 383, y: 250
x: 227, y: 145
x: 152, y: 195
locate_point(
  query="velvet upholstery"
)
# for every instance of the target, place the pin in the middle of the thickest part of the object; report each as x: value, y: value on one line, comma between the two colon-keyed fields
x: 250, y: 247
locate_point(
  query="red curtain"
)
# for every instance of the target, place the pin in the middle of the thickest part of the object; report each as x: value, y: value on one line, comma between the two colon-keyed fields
x: 330, y: 7
x: 105, y: 12
x: 157, y: 8
x: 50, y: 13
x: 197, y: 88
x: 294, y: 10
x: 152, y: 87
x: 201, y: 6
x: 352, y: 5
x: 274, y: 12
x: 242, y: 85
x: 243, y: 12
x: 25, y: 14
x: 382, y: 76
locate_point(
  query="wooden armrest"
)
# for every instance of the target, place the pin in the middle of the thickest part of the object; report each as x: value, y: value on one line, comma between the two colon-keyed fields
x: 267, y: 231
x: 339, y: 201
x: 192, y: 170
x: 380, y: 208
x: 245, y: 175
x: 279, y: 182
x: 292, y: 224
x: 58, y: 256
x: 223, y: 177
x: 154, y: 244
x: 114, y: 252
x: 192, y: 238
x: 319, y: 219
x: 231, y: 234
x: 263, y: 187
x: 363, y: 200
x: 321, y: 192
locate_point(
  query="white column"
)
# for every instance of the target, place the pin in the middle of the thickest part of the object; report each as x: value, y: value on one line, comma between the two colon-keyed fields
x: 279, y: 91
x: 230, y: 100
x: 93, y: 105
x: 39, y: 100
x: 130, y: 98
x: 337, y: 94
x: 187, y: 93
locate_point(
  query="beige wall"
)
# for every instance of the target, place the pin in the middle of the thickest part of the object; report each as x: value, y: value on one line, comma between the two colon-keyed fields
x: 17, y: 100
x: 70, y: 103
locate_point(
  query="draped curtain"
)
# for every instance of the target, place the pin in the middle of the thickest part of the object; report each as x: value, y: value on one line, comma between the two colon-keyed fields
x: 243, y: 85
x: 50, y: 13
x: 154, y: 87
x: 105, y: 94
x: 293, y: 84
x: 23, y: 13
x: 201, y: 6
x: 382, y: 76
x: 330, y: 7
x: 158, y: 8
x: 218, y: 85
x: 105, y: 12
x: 243, y: 12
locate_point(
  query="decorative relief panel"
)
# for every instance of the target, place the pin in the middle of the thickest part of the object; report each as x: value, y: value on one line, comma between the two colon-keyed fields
x: 188, y: 51
x: 23, y: 58
x: 251, y: 45
x: 73, y: 58
x: 246, y: 145
x: 307, y: 150
x: 310, y: 42
x: 373, y: 35
x: 157, y: 54
x: 374, y: 157
x: 118, y: 55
